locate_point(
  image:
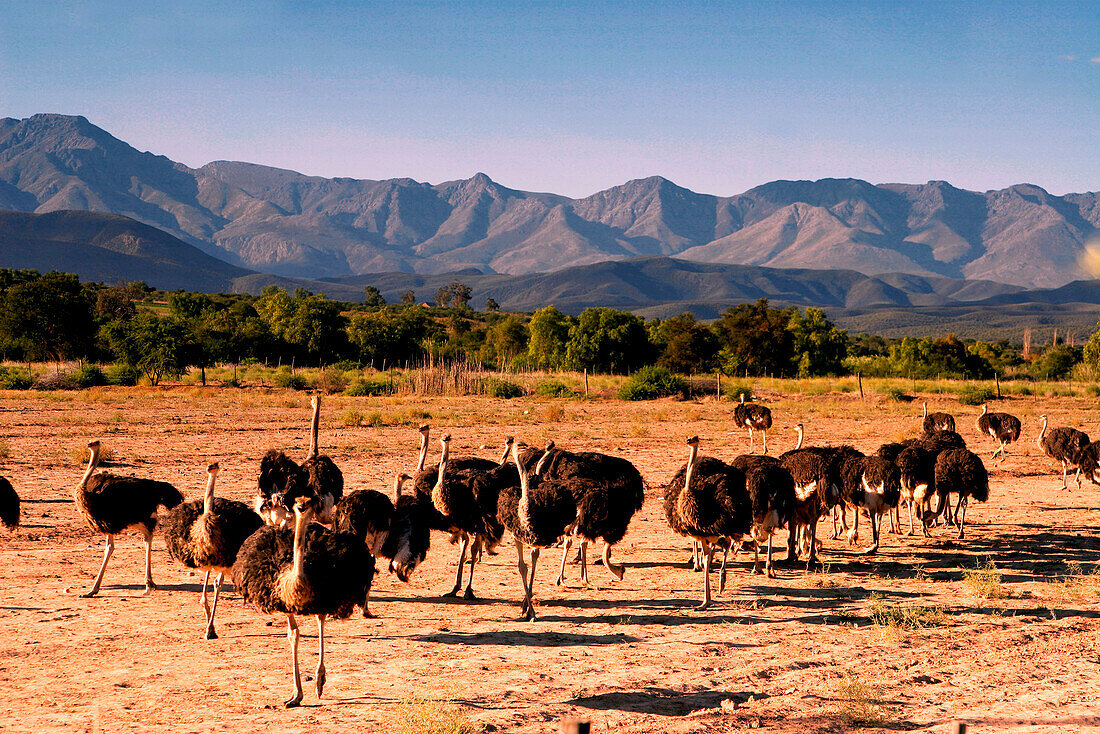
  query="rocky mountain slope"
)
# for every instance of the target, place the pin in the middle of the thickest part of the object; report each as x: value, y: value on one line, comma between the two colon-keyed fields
x: 286, y: 223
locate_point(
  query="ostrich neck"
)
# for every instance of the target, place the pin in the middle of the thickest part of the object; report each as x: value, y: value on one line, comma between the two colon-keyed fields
x: 437, y: 491
x: 683, y: 498
x: 398, y: 483
x: 542, y: 462
x: 1042, y: 433
x: 506, y: 454
x: 314, y: 426
x: 799, y: 444
x: 300, y: 522
x: 524, y: 509
x: 93, y: 462
x: 208, y: 498
x: 423, y: 453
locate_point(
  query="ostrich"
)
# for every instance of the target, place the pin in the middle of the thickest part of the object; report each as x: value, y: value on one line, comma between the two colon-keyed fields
x: 110, y: 504
x: 206, y: 534
x: 1064, y: 445
x: 877, y: 489
x: 9, y: 504
x: 755, y: 418
x: 771, y: 489
x: 308, y: 571
x: 809, y: 469
x: 614, y: 492
x: 937, y: 421
x: 706, y: 501
x: 916, y: 467
x: 1002, y: 427
x: 282, y: 479
x: 960, y: 472
x: 538, y: 515
x: 460, y: 508
x: 1088, y: 462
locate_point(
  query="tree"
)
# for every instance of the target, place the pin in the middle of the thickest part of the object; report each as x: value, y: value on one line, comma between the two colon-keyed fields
x: 608, y: 340
x: 156, y: 346
x: 549, y: 337
x: 117, y: 302
x: 1055, y: 363
x: 453, y: 295
x: 373, y: 297
x: 754, y: 337
x: 819, y: 347
x: 685, y: 345
x: 491, y: 304
x: 408, y: 298
x: 190, y: 306
x: 508, y: 339
x: 47, y: 319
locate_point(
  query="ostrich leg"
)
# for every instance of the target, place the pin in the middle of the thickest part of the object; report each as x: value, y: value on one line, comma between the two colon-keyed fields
x: 752, y: 442
x: 531, y: 586
x: 583, y: 550
x: 320, y: 679
x: 107, y: 551
x: 617, y: 569
x: 292, y: 637
x: 768, y: 563
x: 876, y: 527
x: 462, y: 545
x: 202, y: 599
x: 564, y: 555
x: 210, y: 633
x: 522, y: 567
x: 469, y: 593
x: 706, y: 576
x: 150, y: 587
x: 962, y: 515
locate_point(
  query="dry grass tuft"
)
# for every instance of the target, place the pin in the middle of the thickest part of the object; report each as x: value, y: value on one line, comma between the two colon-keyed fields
x: 904, y: 617
x: 430, y: 715
x: 5, y: 450
x: 985, y: 581
x: 351, y: 418
x: 860, y: 704
x: 81, y: 454
x: 554, y: 412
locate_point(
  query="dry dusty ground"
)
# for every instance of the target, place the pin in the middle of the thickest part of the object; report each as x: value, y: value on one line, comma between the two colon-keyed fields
x: 631, y: 656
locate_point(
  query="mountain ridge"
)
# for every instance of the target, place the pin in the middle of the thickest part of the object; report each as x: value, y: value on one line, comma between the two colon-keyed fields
x: 295, y: 225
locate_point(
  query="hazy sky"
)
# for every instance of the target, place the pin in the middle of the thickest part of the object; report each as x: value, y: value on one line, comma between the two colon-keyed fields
x: 576, y: 97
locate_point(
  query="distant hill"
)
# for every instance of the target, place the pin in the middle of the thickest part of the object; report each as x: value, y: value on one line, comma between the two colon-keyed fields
x: 293, y: 225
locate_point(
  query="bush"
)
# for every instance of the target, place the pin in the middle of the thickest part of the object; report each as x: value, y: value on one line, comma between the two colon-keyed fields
x: 352, y: 418
x: 735, y: 390
x: 347, y: 366
x: 366, y: 388
x: 650, y: 383
x: 14, y: 378
x: 897, y: 395
x: 498, y: 388
x: 332, y: 380
x: 976, y: 395
x: 89, y: 376
x: 554, y: 389
x: 122, y: 374
x: 286, y: 379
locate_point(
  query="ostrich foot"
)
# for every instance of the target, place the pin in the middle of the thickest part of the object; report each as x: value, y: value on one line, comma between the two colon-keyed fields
x: 294, y: 701
x: 210, y: 633
x: 771, y: 574
x: 368, y: 614
x: 618, y: 570
x: 870, y: 551
x: 468, y: 595
x: 452, y: 593
x: 560, y: 581
x: 853, y: 538
x: 321, y: 678
x: 89, y: 594
x: 704, y: 605
x: 149, y: 589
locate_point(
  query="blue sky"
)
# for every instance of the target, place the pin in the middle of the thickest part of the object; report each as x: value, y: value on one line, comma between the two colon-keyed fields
x: 576, y: 97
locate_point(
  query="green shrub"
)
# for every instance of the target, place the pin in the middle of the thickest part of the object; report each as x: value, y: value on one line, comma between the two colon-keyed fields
x: 332, y: 380
x: 498, y: 388
x: 352, y: 418
x: 366, y: 388
x: 1093, y: 391
x: 976, y: 395
x: 14, y: 378
x: 88, y: 376
x: 735, y: 390
x: 287, y: 379
x: 1024, y: 390
x: 554, y: 389
x: 650, y: 383
x: 122, y: 374
x: 348, y: 366
x: 897, y: 395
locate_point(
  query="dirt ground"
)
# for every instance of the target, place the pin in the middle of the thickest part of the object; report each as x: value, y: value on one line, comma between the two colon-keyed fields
x: 801, y: 653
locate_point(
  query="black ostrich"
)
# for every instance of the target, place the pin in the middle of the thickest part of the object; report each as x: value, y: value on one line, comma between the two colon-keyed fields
x: 111, y: 504
x: 845, y: 473
x: 771, y: 490
x: 916, y: 467
x: 281, y: 479
x: 809, y: 469
x: 706, y: 501
x: 471, y: 519
x: 538, y: 515
x: 309, y: 570
x: 937, y: 421
x: 937, y: 441
x: 755, y: 418
x: 9, y: 505
x: 1065, y: 445
x: 877, y: 490
x: 615, y: 491
x: 962, y: 473
x: 1088, y: 462
x: 206, y: 534
x: 1001, y: 427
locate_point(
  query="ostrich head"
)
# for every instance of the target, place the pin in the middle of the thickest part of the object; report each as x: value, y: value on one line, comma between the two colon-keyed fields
x: 693, y: 441
x: 213, y: 468
x: 423, y: 428
x: 306, y: 505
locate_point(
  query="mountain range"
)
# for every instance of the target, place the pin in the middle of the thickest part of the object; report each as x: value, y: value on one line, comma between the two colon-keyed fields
x: 296, y: 226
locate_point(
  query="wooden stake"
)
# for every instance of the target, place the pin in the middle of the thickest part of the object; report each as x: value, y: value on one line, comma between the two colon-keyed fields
x: 718, y: 379
x: 575, y: 727
x: 958, y: 727
x: 586, y: 382
x: 859, y: 376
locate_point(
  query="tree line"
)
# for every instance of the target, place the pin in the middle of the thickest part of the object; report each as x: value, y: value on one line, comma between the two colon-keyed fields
x: 55, y: 317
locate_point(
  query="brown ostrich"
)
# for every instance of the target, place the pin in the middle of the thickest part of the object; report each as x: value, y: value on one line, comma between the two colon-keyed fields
x: 1063, y: 444
x: 1001, y: 427
x: 755, y: 418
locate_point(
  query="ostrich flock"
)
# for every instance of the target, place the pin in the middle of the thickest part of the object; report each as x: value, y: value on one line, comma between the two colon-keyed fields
x: 307, y: 548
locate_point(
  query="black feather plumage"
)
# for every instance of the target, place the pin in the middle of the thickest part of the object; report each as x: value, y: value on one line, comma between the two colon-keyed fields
x: 718, y: 503
x: 9, y: 504
x: 110, y: 503
x: 229, y: 525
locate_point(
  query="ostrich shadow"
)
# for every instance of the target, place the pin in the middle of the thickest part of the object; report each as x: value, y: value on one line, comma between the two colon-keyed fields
x: 661, y: 701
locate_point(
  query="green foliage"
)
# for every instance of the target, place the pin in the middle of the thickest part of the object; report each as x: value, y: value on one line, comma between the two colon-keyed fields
x: 15, y: 378
x: 976, y: 394
x: 157, y: 347
x: 819, y: 347
x: 734, y: 391
x: 498, y: 388
x: 332, y: 380
x: 372, y: 297
x: 454, y: 295
x: 607, y: 340
x: 650, y: 383
x: 1055, y: 363
x: 505, y: 340
x: 897, y: 394
x: 48, y: 318
x: 491, y: 304
x: 549, y: 338
x: 553, y: 389
x: 366, y: 388
x: 289, y: 380
x: 123, y: 374
x: 684, y: 344
x: 754, y: 338
x: 927, y: 358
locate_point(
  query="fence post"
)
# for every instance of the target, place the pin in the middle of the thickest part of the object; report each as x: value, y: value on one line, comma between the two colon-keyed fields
x: 718, y: 379
x: 586, y: 382
x: 859, y: 376
x: 958, y: 728
x: 575, y: 727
